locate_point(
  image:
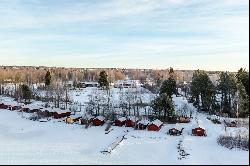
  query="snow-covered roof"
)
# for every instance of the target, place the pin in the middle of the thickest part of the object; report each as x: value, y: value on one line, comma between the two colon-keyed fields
x: 31, y: 106
x: 132, y: 118
x: 144, y: 122
x: 11, y: 103
x: 64, y: 111
x: 43, y: 120
x: 90, y: 83
x: 178, y: 127
x: 57, y: 110
x: 157, y: 122
x: 122, y: 119
x: 129, y: 82
x: 47, y: 109
x: 60, y: 111
x: 101, y: 118
x: 88, y: 116
x: 76, y: 116
x: 215, y: 117
x: 229, y: 120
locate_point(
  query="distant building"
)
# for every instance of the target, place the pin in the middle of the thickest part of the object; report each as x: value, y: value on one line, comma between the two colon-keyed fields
x: 85, y: 84
x: 127, y: 84
x: 91, y: 84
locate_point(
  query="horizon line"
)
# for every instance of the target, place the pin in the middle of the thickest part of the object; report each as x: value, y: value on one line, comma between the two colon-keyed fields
x: 129, y: 68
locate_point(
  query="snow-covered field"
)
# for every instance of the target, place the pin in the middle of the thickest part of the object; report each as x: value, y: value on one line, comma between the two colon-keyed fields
x: 23, y: 141
x: 30, y: 142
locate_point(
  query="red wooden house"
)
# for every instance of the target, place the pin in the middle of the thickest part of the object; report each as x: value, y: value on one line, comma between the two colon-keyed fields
x: 46, y: 112
x: 12, y: 106
x: 130, y: 122
x: 120, y: 121
x: 16, y: 107
x: 98, y: 121
x: 155, y: 125
x: 61, y: 113
x: 3, y: 106
x: 25, y: 109
x: 30, y: 108
x: 142, y: 124
x: 86, y: 119
x: 199, y: 131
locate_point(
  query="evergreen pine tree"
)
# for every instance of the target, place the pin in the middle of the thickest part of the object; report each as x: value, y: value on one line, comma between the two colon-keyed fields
x: 47, y: 79
x: 103, y: 80
x: 169, y: 87
x: 163, y: 107
x: 243, y: 77
x: 202, y: 91
x: 26, y: 92
x: 243, y: 101
x: 227, y: 87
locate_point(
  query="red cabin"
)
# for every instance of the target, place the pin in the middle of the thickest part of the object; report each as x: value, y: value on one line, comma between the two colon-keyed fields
x: 142, y: 124
x: 35, y: 110
x: 130, y: 122
x: 30, y: 108
x: 25, y: 109
x: 15, y: 107
x: 155, y: 125
x: 86, y: 119
x: 199, y: 131
x: 57, y: 115
x: 3, y: 106
x: 120, y: 121
x: 98, y: 121
x: 61, y: 113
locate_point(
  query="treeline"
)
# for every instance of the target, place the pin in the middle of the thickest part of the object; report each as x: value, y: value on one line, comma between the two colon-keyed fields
x: 228, y: 96
x: 31, y: 75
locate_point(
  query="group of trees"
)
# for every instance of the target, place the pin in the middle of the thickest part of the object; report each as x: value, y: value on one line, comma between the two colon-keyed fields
x: 230, y: 95
x: 202, y: 90
x: 227, y: 95
x: 51, y: 92
x: 56, y: 92
x: 102, y: 101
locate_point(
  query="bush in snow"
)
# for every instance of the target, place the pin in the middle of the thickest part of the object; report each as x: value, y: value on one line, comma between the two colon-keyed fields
x: 239, y: 140
x: 184, y: 111
x: 243, y: 122
x: 215, y: 119
x: 34, y: 117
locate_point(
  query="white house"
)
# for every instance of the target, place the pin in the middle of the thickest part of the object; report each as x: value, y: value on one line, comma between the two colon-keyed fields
x: 127, y: 84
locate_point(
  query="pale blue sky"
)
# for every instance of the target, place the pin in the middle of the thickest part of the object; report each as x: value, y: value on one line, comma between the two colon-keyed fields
x: 184, y: 34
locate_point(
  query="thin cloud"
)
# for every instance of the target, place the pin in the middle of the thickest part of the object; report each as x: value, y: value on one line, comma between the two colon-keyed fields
x: 124, y: 29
